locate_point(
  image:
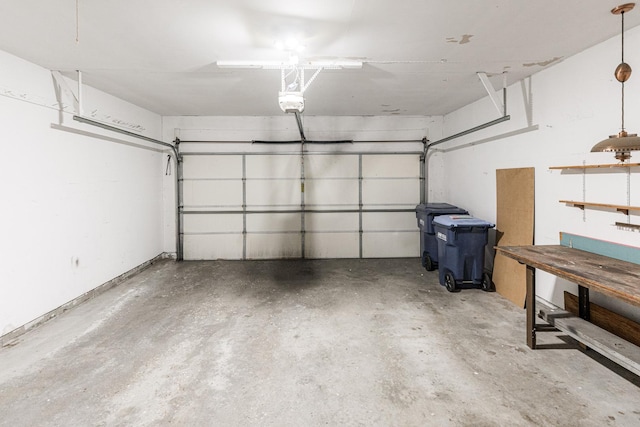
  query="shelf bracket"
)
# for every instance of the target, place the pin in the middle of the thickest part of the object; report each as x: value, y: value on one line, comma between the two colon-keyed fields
x: 627, y: 225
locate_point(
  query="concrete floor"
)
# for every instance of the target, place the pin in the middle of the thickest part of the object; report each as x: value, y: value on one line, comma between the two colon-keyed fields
x: 303, y: 343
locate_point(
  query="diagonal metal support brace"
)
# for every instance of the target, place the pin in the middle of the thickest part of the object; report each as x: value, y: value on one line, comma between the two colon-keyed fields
x: 500, y: 104
x: 305, y: 86
x: 64, y: 85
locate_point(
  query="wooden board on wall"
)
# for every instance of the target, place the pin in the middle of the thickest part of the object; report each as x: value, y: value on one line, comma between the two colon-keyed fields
x: 514, y: 225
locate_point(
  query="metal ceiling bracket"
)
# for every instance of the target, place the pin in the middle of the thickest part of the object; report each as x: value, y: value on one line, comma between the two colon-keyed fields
x: 313, y: 77
x: 63, y: 84
x: 500, y: 104
x: 303, y: 86
x: 80, y: 110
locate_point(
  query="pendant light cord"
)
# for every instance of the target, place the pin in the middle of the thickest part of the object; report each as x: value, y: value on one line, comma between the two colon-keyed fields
x: 622, y: 62
x: 622, y: 32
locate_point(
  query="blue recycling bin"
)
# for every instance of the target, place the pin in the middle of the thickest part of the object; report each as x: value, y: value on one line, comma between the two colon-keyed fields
x: 461, y: 241
x: 425, y: 213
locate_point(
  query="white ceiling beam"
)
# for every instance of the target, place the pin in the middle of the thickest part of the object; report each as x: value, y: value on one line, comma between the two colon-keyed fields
x: 307, y: 65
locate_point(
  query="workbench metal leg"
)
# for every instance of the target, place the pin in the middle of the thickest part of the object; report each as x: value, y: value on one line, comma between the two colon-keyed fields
x: 583, y: 303
x: 531, y: 307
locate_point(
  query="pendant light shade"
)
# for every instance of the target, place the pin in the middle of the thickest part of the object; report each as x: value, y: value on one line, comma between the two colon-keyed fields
x: 623, y: 142
x: 620, y: 144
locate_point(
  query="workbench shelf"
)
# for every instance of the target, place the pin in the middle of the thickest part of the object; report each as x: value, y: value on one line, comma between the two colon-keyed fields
x: 625, y: 209
x: 606, y: 166
x: 620, y: 208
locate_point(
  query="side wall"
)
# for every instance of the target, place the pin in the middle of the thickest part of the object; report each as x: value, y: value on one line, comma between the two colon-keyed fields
x: 556, y: 117
x: 81, y: 205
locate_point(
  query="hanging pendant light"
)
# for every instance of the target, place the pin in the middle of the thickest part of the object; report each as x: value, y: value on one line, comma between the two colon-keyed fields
x: 623, y: 142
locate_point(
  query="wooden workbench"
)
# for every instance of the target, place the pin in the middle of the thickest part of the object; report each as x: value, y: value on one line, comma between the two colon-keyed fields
x: 609, y: 276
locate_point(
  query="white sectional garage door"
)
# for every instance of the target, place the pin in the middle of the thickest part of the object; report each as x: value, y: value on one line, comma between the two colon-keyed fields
x: 283, y: 205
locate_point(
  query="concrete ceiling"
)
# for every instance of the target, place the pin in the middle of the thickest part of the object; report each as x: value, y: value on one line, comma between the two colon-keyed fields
x: 420, y: 57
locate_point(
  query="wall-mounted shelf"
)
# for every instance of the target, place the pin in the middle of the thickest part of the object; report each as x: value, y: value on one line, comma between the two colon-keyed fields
x: 620, y: 208
x: 584, y: 168
x: 614, y: 165
x: 628, y: 225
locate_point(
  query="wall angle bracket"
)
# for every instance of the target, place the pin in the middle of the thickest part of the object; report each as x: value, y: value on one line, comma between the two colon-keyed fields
x: 64, y: 86
x: 500, y: 104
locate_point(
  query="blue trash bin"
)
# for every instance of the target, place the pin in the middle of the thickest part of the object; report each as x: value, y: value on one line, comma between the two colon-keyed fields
x: 461, y: 241
x: 425, y: 213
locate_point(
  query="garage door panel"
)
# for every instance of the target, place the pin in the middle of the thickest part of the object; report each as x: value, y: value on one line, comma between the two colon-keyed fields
x: 276, y: 166
x: 332, y: 245
x: 389, y: 221
x: 331, y: 166
x: 213, y: 223
x: 213, y: 246
x: 382, y: 192
x: 396, y: 166
x: 328, y: 222
x: 334, y: 192
x: 390, y: 245
x: 273, y: 245
x: 273, y: 222
x: 212, y: 193
x: 207, y: 167
x: 273, y: 193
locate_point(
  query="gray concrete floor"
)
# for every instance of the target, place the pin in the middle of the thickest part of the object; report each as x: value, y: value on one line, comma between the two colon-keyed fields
x: 303, y: 343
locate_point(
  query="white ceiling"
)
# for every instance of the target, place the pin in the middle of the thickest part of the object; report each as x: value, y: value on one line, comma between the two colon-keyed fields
x: 420, y: 56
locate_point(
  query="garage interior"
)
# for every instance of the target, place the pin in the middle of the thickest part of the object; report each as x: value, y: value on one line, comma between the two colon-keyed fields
x: 210, y: 209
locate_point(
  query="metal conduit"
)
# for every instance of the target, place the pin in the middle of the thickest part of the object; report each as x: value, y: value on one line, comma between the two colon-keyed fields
x: 306, y: 141
x: 306, y: 153
x: 339, y: 141
x: 449, y: 138
x: 125, y: 132
x: 468, y: 131
x: 314, y: 211
x: 178, y: 175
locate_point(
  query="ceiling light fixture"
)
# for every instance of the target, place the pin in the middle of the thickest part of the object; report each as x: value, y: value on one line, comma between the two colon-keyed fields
x: 290, y: 44
x: 623, y: 142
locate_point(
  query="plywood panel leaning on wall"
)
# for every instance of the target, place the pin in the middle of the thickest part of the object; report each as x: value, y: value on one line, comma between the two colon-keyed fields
x: 514, y: 225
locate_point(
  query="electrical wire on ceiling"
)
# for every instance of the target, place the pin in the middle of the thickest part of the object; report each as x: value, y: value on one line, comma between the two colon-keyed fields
x: 295, y: 84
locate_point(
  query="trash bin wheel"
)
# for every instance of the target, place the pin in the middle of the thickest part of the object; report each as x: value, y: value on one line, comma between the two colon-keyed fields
x: 450, y: 282
x: 428, y: 263
x: 487, y: 284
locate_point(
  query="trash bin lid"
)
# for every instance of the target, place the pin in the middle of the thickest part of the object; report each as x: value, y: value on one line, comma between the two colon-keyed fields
x: 435, y: 207
x: 452, y: 221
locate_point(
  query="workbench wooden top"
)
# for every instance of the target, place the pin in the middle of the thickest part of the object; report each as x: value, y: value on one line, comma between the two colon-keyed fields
x: 609, y: 276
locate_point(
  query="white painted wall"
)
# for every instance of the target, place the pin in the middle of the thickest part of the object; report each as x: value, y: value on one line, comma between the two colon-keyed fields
x: 78, y: 209
x: 575, y: 104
